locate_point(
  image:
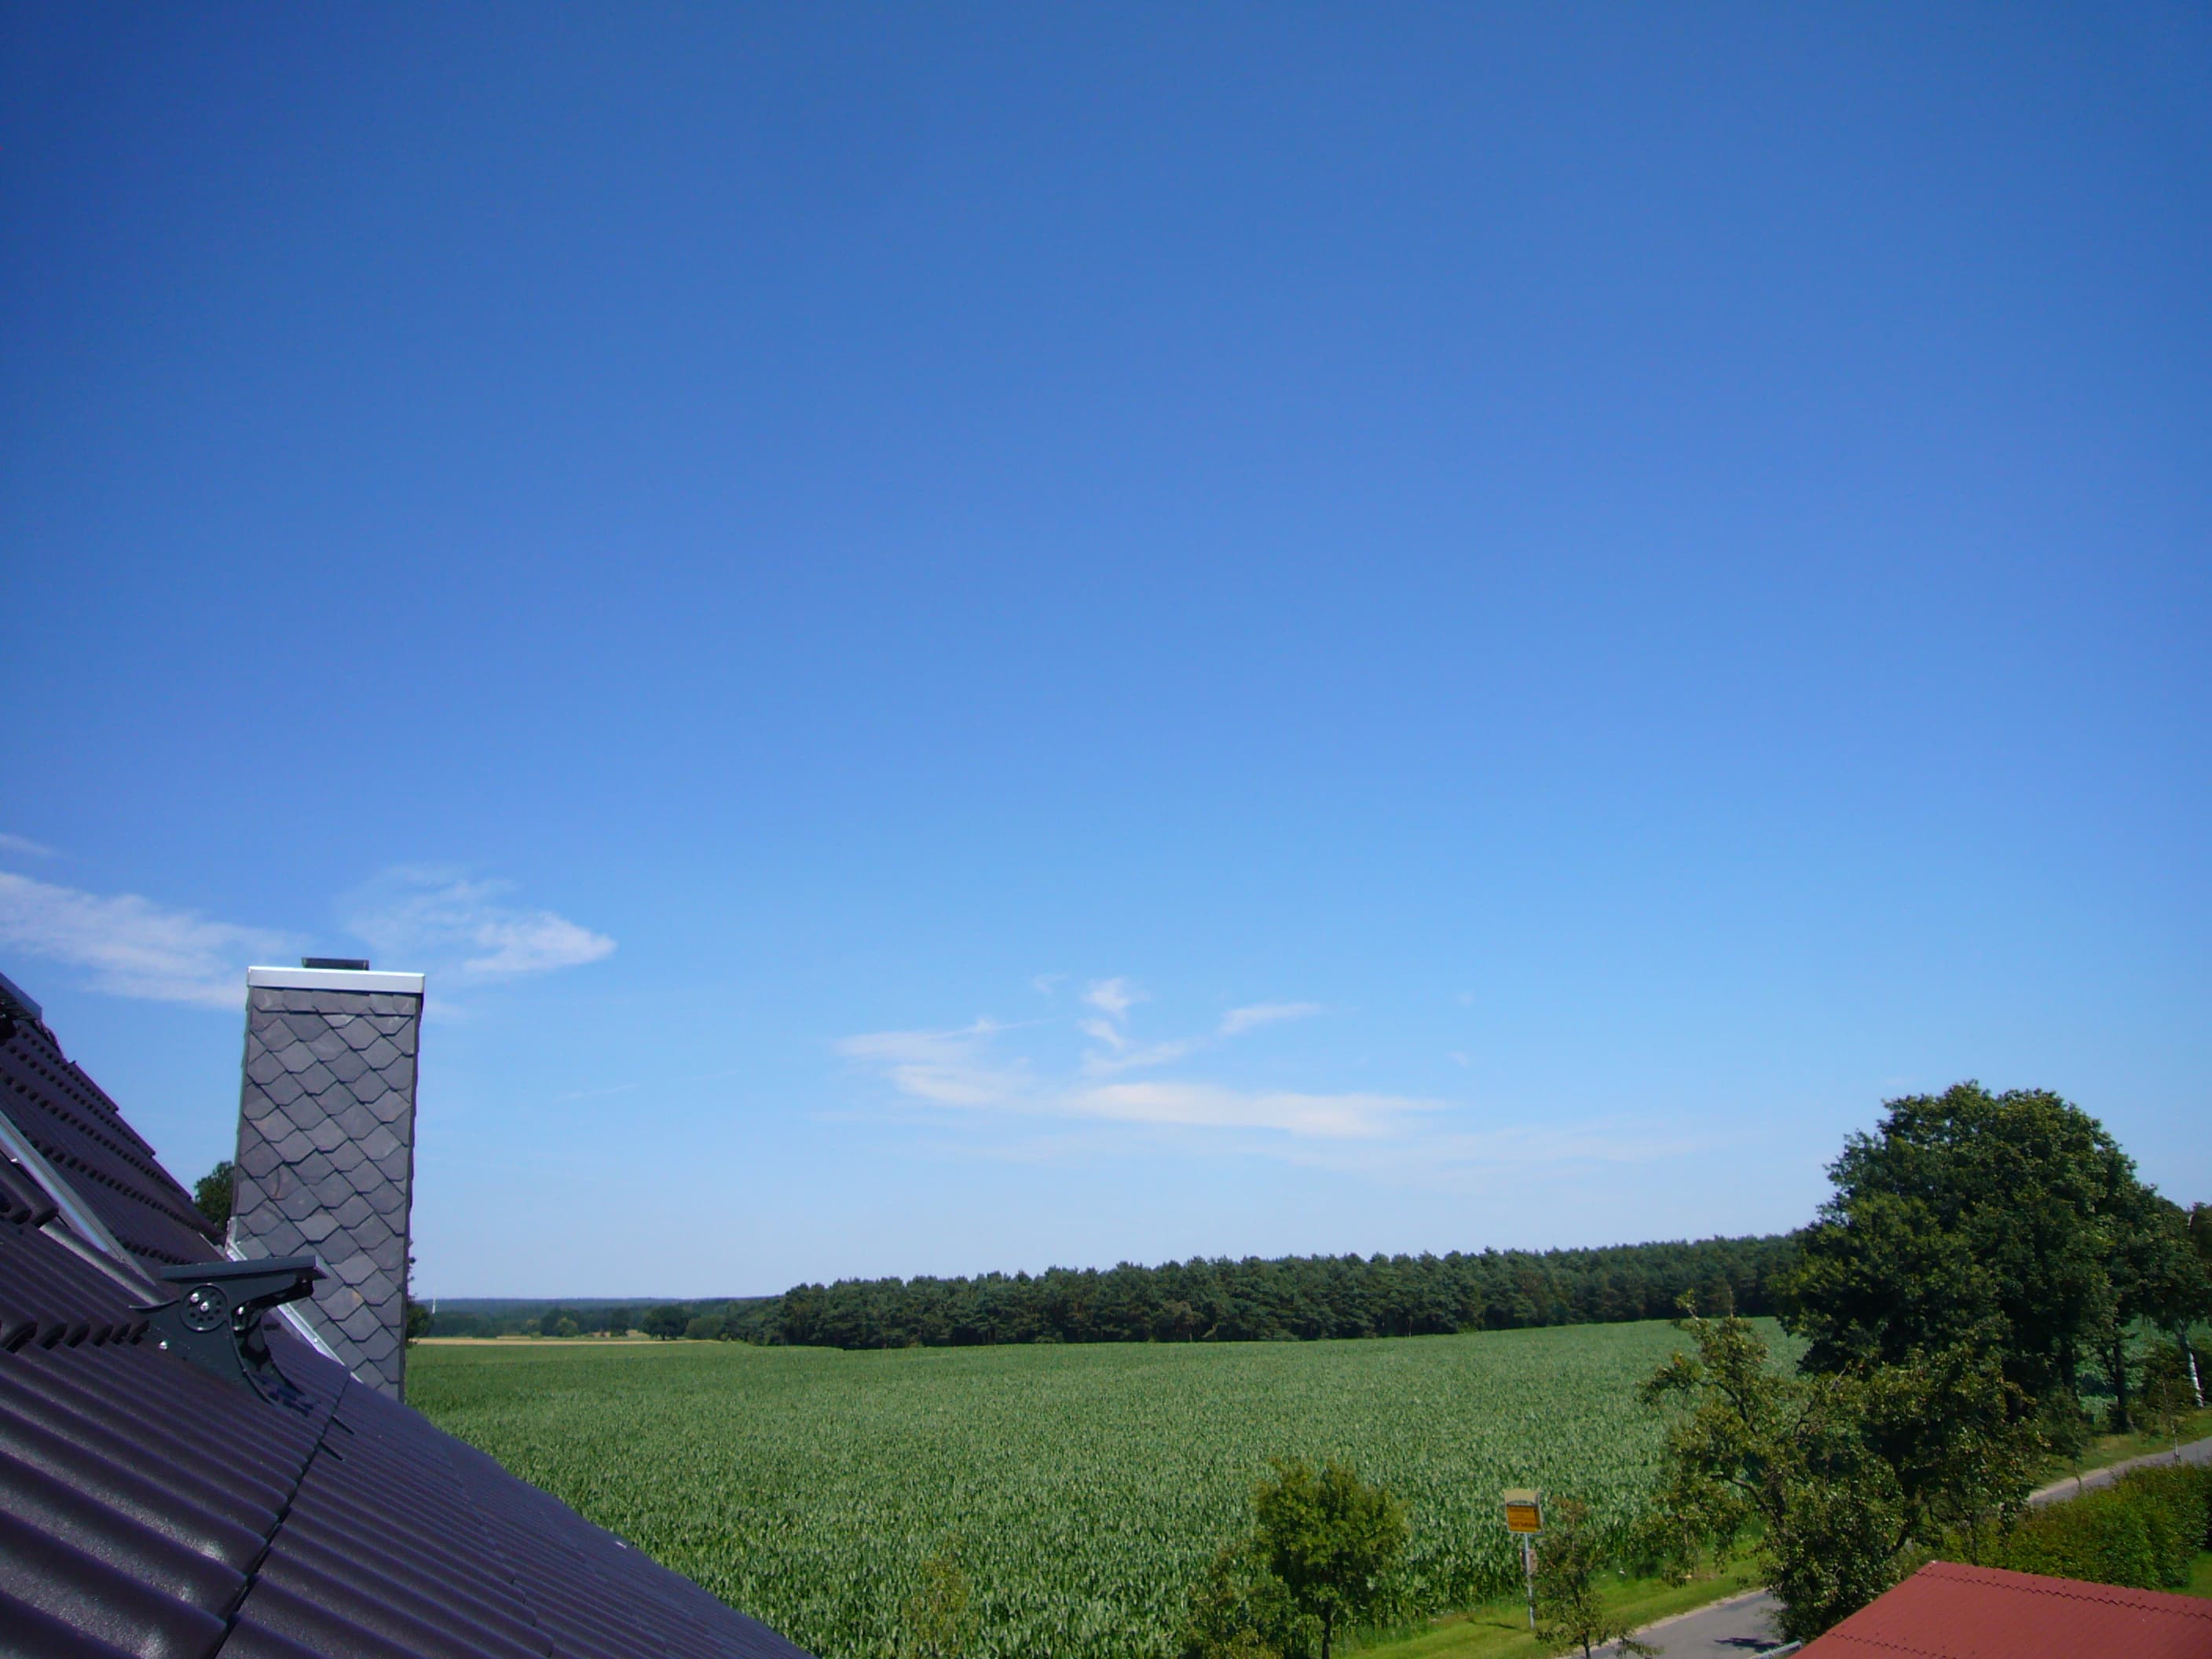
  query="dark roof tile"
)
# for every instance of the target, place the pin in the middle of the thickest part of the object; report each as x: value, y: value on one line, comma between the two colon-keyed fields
x: 78, y: 1587
x: 34, y: 1633
x: 150, y: 1508
x: 170, y: 1498
x: 62, y: 1510
x: 74, y: 1125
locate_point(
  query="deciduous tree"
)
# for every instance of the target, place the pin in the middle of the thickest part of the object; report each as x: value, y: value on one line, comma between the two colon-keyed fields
x: 1994, y: 1221
x: 1241, y: 1610
x: 1335, y: 1541
x: 211, y: 1194
x: 1570, y: 1602
x: 1847, y: 1473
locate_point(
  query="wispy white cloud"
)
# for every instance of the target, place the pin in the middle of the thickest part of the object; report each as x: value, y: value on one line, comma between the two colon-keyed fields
x: 1104, y: 1030
x: 1238, y: 1020
x: 24, y: 847
x: 442, y: 920
x: 1205, y: 1106
x: 945, y: 1068
x: 1127, y: 1058
x: 1112, y: 997
x: 963, y: 1068
x: 1046, y: 984
x: 133, y: 946
x: 1120, y: 1054
x: 971, y: 1080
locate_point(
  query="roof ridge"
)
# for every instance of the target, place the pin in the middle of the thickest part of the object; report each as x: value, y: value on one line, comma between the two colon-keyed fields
x: 2071, y: 1589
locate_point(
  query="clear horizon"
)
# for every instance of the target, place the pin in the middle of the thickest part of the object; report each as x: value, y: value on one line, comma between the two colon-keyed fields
x: 973, y: 640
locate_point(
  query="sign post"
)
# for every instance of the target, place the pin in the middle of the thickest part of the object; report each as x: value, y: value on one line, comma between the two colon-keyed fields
x: 1524, y: 1518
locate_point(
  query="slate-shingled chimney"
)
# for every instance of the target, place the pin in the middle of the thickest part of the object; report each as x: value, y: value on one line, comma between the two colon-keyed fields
x: 326, y: 1149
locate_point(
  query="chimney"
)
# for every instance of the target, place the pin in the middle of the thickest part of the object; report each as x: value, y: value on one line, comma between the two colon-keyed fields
x: 326, y: 1150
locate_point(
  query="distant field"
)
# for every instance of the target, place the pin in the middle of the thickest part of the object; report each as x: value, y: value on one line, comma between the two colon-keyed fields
x: 1086, y: 1486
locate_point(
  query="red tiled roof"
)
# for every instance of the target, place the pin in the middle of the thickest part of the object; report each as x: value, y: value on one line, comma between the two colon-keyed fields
x: 1947, y: 1611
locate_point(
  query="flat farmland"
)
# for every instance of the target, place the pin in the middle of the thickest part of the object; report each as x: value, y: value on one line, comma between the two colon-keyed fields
x: 1084, y: 1487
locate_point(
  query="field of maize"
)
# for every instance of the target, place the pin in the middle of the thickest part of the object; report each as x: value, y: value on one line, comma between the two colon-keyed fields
x: 1083, y: 1487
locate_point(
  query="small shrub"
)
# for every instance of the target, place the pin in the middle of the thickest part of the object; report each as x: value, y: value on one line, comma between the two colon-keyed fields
x: 937, y: 1620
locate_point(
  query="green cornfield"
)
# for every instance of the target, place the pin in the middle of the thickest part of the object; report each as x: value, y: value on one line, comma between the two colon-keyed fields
x: 1084, y: 1487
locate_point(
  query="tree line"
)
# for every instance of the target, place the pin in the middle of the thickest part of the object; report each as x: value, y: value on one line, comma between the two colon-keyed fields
x: 1288, y: 1298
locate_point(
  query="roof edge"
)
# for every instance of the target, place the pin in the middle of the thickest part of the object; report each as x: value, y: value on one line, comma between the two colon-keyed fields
x: 333, y: 978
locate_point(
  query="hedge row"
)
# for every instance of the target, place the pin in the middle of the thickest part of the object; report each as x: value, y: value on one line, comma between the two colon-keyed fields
x: 2144, y: 1530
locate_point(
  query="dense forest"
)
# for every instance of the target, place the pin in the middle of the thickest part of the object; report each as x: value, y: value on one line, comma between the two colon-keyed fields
x: 1300, y: 1298
x: 1292, y: 1298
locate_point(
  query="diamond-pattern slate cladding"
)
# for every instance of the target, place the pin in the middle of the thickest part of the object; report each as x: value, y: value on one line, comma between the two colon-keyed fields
x: 326, y: 1160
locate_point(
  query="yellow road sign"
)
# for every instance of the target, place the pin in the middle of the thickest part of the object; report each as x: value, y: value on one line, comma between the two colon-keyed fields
x: 1524, y: 1510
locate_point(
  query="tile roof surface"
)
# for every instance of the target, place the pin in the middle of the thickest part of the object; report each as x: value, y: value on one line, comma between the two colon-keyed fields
x: 70, y: 1119
x: 326, y: 1160
x: 152, y: 1509
x: 1948, y: 1611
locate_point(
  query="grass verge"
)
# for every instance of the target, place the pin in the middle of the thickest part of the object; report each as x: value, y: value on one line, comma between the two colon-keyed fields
x: 1499, y: 1630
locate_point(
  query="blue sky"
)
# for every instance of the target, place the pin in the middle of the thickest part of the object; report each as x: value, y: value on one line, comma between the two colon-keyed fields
x: 972, y: 639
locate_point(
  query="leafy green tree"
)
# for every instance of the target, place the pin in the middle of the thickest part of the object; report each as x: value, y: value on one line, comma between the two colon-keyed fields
x: 551, y: 1321
x: 1241, y: 1610
x: 706, y: 1328
x: 1732, y: 1416
x: 1967, y: 1218
x: 1333, y: 1540
x: 937, y: 1620
x: 1847, y: 1473
x: 620, y: 1321
x: 667, y: 1321
x: 1570, y: 1606
x: 211, y: 1194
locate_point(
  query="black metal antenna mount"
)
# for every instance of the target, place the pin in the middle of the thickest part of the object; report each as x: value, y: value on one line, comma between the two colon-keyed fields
x: 216, y: 1320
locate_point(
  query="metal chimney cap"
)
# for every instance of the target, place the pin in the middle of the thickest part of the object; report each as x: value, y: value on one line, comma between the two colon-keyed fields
x: 332, y: 979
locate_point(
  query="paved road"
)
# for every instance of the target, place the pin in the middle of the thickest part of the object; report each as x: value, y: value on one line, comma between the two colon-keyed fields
x: 1734, y: 1629
x: 2197, y: 1451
